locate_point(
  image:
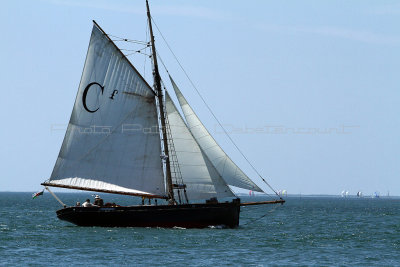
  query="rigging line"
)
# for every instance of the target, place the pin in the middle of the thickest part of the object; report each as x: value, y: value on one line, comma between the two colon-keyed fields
x: 133, y: 50
x: 128, y: 40
x: 269, y: 195
x: 208, y: 107
x: 133, y: 42
x: 162, y: 62
x: 137, y: 52
x: 259, y: 218
x: 145, y: 58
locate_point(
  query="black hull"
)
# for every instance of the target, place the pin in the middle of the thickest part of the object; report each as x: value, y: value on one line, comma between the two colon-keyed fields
x: 187, y: 216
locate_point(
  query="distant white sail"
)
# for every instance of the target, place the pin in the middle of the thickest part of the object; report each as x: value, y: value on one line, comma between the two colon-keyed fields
x: 112, y: 142
x: 199, y: 175
x: 228, y: 170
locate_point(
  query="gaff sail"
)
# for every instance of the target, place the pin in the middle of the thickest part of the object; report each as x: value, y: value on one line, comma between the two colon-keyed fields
x: 112, y: 143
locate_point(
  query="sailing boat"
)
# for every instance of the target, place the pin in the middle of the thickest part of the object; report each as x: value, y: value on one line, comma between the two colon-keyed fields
x: 127, y: 137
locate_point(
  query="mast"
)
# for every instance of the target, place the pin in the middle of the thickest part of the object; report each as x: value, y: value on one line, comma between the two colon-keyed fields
x: 158, y: 89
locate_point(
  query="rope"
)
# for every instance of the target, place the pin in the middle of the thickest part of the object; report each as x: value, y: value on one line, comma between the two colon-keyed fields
x: 135, y: 51
x: 147, y: 46
x: 138, y: 52
x: 208, y: 107
x: 54, y: 195
x: 120, y: 39
x: 162, y: 62
x: 259, y: 218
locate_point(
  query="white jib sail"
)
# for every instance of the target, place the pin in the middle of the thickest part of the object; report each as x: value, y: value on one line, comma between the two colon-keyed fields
x: 199, y: 175
x: 228, y: 170
x: 112, y: 142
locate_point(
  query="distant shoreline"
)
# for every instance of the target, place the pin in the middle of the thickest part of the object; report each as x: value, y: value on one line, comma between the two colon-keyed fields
x: 319, y: 195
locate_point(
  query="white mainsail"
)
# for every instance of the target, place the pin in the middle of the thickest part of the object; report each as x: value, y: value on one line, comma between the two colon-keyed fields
x: 112, y: 143
x: 228, y: 170
x: 199, y: 175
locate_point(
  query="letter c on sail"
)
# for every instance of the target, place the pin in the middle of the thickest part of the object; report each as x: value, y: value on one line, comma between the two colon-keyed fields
x: 85, y: 94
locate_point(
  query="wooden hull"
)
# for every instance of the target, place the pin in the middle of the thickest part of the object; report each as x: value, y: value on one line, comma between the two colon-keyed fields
x: 187, y: 216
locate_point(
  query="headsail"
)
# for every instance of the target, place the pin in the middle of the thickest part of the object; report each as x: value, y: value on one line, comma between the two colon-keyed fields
x: 112, y: 143
x: 228, y: 170
x: 199, y: 175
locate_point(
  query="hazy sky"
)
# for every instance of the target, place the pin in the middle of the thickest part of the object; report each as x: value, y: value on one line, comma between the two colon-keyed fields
x: 309, y: 90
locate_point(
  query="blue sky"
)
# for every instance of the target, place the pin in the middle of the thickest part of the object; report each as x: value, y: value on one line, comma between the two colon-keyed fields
x: 309, y: 90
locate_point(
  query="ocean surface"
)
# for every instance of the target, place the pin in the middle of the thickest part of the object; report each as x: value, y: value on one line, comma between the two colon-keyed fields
x: 305, y: 231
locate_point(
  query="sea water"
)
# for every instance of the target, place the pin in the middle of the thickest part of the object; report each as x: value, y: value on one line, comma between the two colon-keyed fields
x: 304, y: 231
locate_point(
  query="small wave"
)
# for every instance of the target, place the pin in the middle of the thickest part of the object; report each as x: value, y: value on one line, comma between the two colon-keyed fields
x: 177, y: 227
x: 217, y: 226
